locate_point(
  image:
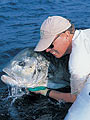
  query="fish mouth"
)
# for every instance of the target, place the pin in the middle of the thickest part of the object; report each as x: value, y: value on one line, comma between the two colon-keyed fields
x: 9, y: 80
x: 12, y: 79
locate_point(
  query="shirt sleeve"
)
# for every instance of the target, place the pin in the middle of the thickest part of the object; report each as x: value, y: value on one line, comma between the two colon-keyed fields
x: 77, y: 83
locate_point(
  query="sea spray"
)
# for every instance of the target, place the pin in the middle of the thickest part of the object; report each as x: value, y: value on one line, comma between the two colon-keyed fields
x: 14, y: 93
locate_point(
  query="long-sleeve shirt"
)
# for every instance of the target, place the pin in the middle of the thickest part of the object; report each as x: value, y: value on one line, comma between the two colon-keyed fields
x: 79, y: 62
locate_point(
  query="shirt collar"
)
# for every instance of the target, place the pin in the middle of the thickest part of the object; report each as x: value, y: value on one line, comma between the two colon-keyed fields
x: 76, y: 34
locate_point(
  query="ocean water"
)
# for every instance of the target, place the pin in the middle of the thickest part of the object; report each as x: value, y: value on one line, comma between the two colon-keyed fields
x: 20, y: 21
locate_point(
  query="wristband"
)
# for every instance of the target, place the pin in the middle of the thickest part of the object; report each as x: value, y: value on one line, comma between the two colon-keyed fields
x: 37, y: 88
x: 48, y: 92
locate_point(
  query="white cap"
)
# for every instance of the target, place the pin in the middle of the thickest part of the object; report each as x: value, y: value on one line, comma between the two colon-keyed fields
x: 49, y: 29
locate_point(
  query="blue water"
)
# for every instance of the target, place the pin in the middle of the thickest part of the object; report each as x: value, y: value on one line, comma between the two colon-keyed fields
x: 20, y: 21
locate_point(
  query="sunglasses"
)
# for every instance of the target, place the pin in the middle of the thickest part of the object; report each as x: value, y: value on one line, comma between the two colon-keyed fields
x: 51, y: 46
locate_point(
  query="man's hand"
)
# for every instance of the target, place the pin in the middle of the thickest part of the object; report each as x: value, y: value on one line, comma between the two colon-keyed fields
x: 42, y: 92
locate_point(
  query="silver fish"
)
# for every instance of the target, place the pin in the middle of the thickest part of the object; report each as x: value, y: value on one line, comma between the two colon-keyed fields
x: 33, y: 69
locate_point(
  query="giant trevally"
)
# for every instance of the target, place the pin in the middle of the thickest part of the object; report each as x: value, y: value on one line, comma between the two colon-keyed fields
x: 30, y: 69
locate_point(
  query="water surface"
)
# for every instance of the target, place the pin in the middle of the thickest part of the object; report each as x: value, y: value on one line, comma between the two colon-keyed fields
x: 20, y: 21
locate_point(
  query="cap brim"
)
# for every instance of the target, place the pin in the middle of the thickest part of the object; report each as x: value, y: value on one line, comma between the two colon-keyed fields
x: 44, y: 43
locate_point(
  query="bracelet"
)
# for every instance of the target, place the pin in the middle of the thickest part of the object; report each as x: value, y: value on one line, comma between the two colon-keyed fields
x: 48, y: 92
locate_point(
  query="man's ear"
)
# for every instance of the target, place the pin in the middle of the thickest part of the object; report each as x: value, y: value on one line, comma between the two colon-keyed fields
x: 67, y: 33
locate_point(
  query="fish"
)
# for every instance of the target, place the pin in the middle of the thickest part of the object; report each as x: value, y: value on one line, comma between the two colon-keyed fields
x: 30, y: 69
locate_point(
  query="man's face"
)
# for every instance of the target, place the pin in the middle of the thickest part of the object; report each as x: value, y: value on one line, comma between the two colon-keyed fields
x: 60, y: 45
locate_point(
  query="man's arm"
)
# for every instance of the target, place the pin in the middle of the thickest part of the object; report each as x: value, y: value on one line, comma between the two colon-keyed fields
x: 67, y: 97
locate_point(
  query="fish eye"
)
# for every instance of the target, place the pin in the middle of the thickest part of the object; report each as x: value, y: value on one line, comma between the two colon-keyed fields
x: 21, y: 63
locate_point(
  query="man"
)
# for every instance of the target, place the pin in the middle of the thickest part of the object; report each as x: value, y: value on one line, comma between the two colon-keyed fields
x: 59, y: 37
